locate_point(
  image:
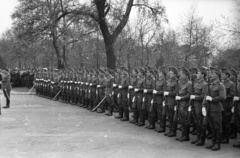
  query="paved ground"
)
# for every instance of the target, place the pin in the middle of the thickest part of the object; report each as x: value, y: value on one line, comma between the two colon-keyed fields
x: 41, y: 128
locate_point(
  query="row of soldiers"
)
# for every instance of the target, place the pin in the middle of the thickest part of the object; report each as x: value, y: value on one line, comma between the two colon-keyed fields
x: 204, y: 99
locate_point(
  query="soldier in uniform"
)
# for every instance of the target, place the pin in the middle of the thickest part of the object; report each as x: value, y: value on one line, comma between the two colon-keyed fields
x: 131, y: 94
x: 200, y: 87
x: 236, y: 111
x: 233, y: 78
x: 170, y: 94
x: 138, y: 101
x: 122, y: 96
x: 149, y: 86
x: 101, y: 91
x: 6, y: 86
x: 227, y: 105
x: 214, y: 111
x: 183, y: 97
x: 158, y: 92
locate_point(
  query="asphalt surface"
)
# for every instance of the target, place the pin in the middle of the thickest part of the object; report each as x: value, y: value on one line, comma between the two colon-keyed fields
x: 36, y: 127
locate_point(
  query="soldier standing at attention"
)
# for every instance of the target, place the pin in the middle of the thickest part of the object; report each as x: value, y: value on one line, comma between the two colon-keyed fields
x: 227, y: 105
x: 183, y: 97
x: 170, y: 95
x: 236, y: 111
x: 159, y: 90
x: 217, y: 95
x: 200, y: 87
x: 6, y: 86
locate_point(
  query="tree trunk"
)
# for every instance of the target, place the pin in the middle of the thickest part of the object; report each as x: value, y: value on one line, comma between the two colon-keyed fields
x: 111, y: 58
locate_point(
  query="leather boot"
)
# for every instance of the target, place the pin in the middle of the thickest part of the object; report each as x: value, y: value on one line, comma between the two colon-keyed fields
x: 217, y: 146
x: 237, y: 144
x: 212, y: 144
x: 141, y: 123
x: 225, y: 141
x: 161, y: 130
x: 201, y: 142
x: 100, y: 110
x: 173, y: 133
x: 152, y: 124
x: 196, y: 140
x: 134, y: 121
x: 118, y: 116
x: 184, y: 139
x: 124, y: 119
x: 109, y: 113
x: 167, y: 133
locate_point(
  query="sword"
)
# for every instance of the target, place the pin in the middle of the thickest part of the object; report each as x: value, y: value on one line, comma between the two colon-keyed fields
x: 99, y: 104
x: 56, y: 95
x: 31, y: 89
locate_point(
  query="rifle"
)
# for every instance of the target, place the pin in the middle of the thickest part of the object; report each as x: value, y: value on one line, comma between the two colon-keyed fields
x: 205, y: 119
x: 233, y: 119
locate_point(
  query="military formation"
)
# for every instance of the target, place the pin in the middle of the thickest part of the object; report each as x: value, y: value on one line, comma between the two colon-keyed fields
x: 198, y: 101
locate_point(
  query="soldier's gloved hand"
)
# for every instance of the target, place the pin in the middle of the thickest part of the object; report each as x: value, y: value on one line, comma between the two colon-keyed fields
x: 209, y: 98
x: 114, y: 85
x: 128, y: 95
x: 235, y: 98
x: 175, y: 108
x: 204, y: 112
x: 163, y: 103
x: 130, y: 87
x: 119, y: 87
x: 152, y: 101
x: 136, y: 89
x: 145, y: 91
x: 166, y: 93
x: 189, y: 108
x: 133, y: 99
x: 192, y: 97
x: 178, y: 98
x: 90, y: 84
x: 154, y: 92
x: 232, y: 109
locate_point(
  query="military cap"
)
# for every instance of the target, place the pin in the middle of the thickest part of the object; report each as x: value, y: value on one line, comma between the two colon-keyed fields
x: 203, y: 70
x: 141, y: 70
x: 174, y: 70
x: 217, y: 71
x: 226, y: 71
x: 233, y: 72
x: 185, y: 71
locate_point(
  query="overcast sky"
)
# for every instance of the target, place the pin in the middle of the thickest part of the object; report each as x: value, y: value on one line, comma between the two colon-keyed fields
x: 176, y: 9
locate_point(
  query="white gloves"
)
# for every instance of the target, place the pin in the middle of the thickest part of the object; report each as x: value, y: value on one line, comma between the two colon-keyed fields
x: 209, y: 98
x: 189, y: 108
x: 178, y: 98
x: 128, y: 95
x: 152, y: 101
x: 204, y: 112
x: 145, y: 91
x: 154, y: 92
x: 235, y: 98
x: 232, y: 109
x: 130, y: 87
x: 163, y: 103
x: 192, y: 97
x: 133, y: 99
x: 114, y: 85
x: 120, y: 87
x: 143, y: 99
x: 175, y: 108
x: 136, y: 89
x: 166, y: 93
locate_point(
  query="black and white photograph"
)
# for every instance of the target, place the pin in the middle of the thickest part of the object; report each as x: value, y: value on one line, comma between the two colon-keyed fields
x: 120, y: 79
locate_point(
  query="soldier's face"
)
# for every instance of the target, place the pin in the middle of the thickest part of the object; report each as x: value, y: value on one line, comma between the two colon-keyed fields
x: 224, y: 76
x: 214, y: 76
x: 199, y: 75
x: 171, y: 74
